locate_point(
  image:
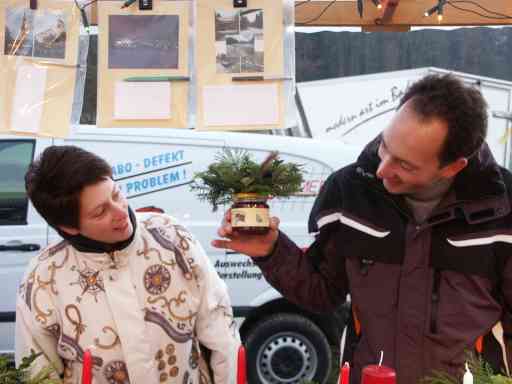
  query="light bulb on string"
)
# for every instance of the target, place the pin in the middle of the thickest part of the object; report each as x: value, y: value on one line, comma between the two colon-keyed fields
x: 440, y: 11
x: 436, y: 8
x: 431, y: 11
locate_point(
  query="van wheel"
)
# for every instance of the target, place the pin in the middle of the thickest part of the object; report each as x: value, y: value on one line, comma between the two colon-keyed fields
x: 287, y: 348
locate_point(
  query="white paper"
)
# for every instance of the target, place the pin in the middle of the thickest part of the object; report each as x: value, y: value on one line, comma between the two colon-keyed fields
x: 259, y: 45
x: 142, y: 100
x: 221, y: 47
x: 27, y: 107
x: 239, y: 105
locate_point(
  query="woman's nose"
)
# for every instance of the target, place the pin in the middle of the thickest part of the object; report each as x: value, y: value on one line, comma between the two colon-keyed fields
x: 121, y: 211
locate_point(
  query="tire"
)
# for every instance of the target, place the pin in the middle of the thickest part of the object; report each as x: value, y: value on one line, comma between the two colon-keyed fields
x: 287, y: 348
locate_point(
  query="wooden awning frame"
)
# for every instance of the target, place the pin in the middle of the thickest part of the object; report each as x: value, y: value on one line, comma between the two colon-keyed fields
x: 394, y: 15
x: 400, y: 14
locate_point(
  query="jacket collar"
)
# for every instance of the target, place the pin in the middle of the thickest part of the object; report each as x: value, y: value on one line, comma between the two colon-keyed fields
x: 87, y: 245
x: 479, y: 190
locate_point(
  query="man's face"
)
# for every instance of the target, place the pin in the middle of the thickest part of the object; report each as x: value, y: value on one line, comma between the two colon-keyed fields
x: 104, y: 213
x: 409, y: 153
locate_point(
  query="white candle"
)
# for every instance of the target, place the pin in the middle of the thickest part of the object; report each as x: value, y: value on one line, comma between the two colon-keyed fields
x: 468, y: 377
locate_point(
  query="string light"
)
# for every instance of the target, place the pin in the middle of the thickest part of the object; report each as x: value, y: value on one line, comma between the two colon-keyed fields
x: 81, y: 8
x: 440, y: 14
x: 431, y: 11
x: 495, y: 15
x: 319, y: 15
x: 440, y: 7
x: 437, y: 8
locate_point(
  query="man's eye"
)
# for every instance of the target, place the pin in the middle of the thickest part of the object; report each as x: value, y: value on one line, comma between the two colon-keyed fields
x: 406, y: 166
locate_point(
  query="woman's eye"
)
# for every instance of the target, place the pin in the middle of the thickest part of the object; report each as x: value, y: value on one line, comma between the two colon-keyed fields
x: 99, y: 214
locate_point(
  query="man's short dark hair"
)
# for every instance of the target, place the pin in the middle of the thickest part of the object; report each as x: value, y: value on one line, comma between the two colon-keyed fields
x: 55, y: 180
x: 461, y: 106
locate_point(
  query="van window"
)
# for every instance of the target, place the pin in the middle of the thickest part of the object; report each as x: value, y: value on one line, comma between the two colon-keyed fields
x: 15, y: 156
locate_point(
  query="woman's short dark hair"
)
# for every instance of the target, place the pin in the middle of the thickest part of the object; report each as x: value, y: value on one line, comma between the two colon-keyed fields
x: 461, y: 106
x: 55, y: 180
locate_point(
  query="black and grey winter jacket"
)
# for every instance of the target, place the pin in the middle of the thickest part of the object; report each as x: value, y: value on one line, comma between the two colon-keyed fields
x: 423, y: 294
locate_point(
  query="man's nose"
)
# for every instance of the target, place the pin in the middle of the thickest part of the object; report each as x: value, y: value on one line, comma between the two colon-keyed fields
x: 385, y: 169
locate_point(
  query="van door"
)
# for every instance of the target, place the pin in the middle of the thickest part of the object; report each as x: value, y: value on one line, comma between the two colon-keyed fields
x: 23, y: 233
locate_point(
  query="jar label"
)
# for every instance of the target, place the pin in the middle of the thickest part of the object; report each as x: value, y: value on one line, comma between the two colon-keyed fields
x: 250, y: 217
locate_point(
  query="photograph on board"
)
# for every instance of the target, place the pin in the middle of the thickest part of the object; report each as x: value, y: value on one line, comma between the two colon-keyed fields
x: 143, y: 41
x: 239, y: 41
x: 50, y: 34
x: 19, y: 31
x: 32, y: 33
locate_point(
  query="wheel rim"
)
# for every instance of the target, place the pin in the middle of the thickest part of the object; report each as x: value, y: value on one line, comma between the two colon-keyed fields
x: 286, y: 357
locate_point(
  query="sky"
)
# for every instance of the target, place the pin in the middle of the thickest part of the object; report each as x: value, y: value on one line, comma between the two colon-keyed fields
x: 358, y: 29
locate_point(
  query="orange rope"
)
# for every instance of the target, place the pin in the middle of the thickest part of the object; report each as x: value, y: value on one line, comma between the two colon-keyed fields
x: 357, y: 323
x: 479, y: 345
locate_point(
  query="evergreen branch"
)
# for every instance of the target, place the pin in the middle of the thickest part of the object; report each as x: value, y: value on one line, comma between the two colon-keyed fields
x: 9, y: 374
x: 234, y: 172
x: 480, y: 369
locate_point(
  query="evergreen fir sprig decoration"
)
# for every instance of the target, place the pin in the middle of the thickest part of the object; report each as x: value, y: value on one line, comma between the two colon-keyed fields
x: 234, y: 171
x: 12, y: 375
x: 481, y: 370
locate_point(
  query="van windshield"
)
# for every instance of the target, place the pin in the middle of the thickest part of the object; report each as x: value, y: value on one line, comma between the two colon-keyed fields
x: 15, y: 156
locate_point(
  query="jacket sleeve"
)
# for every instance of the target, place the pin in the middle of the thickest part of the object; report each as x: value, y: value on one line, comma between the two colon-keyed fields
x: 314, y: 279
x: 32, y: 336
x: 215, y: 325
x: 506, y: 319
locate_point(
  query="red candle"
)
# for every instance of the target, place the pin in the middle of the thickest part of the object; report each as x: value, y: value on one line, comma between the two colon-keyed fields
x: 241, y: 376
x: 345, y: 374
x: 87, y: 367
x: 378, y: 374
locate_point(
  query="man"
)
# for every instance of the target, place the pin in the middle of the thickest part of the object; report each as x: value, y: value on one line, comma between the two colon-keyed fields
x: 138, y: 292
x: 417, y: 230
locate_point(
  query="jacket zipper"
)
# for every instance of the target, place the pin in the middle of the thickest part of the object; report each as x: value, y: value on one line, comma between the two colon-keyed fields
x: 435, y: 301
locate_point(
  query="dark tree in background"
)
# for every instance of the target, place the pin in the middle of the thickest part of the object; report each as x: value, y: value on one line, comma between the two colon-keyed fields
x: 479, y: 51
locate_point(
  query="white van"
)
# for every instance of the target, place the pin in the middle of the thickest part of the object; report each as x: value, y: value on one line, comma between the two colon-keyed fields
x: 154, y: 168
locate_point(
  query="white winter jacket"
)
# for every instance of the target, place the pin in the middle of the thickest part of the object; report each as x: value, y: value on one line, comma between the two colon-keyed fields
x: 143, y: 311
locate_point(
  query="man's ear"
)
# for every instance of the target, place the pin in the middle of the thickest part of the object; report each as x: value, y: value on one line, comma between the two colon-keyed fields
x: 69, y: 230
x: 455, y: 167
